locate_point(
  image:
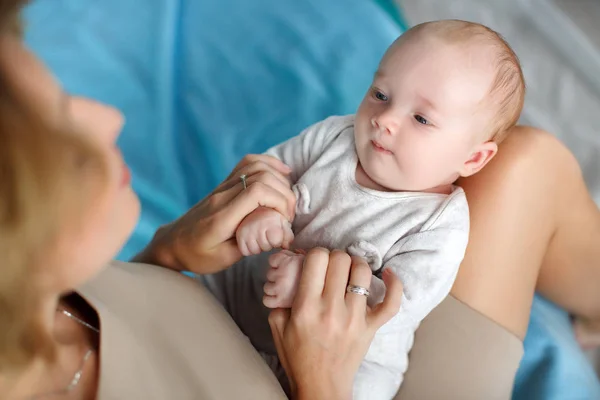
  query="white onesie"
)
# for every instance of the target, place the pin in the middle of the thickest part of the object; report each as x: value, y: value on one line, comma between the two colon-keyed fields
x: 422, y: 237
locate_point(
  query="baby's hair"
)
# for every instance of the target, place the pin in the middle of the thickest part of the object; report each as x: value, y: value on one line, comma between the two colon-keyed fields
x: 508, y: 88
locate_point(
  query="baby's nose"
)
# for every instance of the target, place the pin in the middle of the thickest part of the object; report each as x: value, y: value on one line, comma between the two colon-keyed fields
x: 384, y: 126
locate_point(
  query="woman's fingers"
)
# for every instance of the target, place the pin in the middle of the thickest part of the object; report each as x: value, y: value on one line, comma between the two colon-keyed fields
x: 312, y: 280
x: 338, y: 272
x: 360, y: 275
x: 230, y: 188
x: 250, y: 170
x: 278, y: 320
x: 251, y: 159
x: 246, y: 201
x: 390, y: 306
x: 288, y: 236
x: 262, y: 179
x: 270, y: 180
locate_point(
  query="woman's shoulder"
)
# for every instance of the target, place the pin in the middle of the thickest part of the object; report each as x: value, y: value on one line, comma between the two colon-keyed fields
x: 170, y: 338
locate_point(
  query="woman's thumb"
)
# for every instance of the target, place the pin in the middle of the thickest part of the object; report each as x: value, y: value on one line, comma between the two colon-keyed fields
x: 278, y: 320
x: 390, y: 306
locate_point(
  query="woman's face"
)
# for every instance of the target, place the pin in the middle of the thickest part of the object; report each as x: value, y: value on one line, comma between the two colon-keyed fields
x: 85, y: 246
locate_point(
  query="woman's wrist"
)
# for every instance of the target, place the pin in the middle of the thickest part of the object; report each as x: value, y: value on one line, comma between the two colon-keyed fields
x: 158, y: 252
x: 322, y: 388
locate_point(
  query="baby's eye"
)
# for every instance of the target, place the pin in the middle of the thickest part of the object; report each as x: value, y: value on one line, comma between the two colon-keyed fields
x: 379, y: 96
x: 421, y: 120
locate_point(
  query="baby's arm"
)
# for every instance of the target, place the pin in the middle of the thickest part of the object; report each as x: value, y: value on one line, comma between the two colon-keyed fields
x: 427, y: 261
x: 427, y: 264
x: 300, y: 152
x: 266, y: 229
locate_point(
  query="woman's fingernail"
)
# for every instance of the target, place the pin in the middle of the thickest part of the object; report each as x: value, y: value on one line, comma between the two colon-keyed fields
x: 287, y: 168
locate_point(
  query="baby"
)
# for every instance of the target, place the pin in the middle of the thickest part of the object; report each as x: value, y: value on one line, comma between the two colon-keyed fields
x: 380, y: 184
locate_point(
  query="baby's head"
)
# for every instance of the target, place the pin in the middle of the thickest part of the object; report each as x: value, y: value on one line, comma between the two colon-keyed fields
x: 444, y: 95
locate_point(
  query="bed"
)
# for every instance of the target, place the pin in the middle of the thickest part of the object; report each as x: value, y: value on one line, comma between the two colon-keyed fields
x: 202, y: 83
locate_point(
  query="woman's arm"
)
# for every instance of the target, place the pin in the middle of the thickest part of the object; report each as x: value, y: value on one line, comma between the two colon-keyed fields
x: 203, y: 239
x: 323, y: 339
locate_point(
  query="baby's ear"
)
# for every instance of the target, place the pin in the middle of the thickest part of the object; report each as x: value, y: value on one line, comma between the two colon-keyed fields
x: 480, y: 156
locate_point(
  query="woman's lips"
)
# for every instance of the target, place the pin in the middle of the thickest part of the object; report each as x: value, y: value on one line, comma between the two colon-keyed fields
x: 125, y: 173
x: 126, y: 176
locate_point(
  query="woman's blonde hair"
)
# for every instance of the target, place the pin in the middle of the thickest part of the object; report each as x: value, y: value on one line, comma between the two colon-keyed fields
x: 41, y: 175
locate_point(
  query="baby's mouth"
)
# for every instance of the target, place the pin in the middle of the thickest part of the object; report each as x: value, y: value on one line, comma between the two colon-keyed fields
x: 379, y: 148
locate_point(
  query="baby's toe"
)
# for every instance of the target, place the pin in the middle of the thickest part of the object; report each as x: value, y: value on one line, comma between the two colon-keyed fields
x: 271, y: 301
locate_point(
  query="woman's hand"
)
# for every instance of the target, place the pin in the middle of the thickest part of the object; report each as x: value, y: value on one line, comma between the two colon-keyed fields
x: 203, y: 239
x: 323, y: 339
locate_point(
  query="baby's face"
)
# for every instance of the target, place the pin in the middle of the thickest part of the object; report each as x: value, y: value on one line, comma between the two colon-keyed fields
x: 422, y: 120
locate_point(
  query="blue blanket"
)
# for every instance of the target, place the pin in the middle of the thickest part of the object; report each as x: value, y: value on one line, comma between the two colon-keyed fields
x: 202, y: 83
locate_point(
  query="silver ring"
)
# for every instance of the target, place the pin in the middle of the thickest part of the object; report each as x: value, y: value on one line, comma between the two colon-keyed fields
x: 243, y: 179
x: 358, y: 290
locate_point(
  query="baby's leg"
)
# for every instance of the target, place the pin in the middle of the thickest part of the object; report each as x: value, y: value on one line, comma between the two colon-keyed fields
x: 380, y: 375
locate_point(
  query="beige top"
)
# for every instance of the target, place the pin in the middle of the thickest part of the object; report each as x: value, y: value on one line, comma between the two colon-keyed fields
x: 164, y: 337
x: 156, y: 325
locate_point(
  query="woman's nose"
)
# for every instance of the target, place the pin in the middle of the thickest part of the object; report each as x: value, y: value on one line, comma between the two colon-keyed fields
x: 115, y: 120
x: 105, y: 121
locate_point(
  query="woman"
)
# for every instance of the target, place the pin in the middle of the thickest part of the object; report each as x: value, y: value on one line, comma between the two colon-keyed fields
x: 67, y: 208
x: 136, y: 331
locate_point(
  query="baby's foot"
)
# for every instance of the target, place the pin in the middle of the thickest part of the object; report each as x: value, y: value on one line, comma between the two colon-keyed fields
x: 587, y: 333
x: 282, y: 279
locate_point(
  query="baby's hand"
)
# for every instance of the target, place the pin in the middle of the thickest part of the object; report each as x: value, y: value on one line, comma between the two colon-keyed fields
x: 262, y: 230
x: 282, y: 279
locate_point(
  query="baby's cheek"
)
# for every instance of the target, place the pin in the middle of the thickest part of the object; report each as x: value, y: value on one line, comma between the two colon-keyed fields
x: 410, y: 169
